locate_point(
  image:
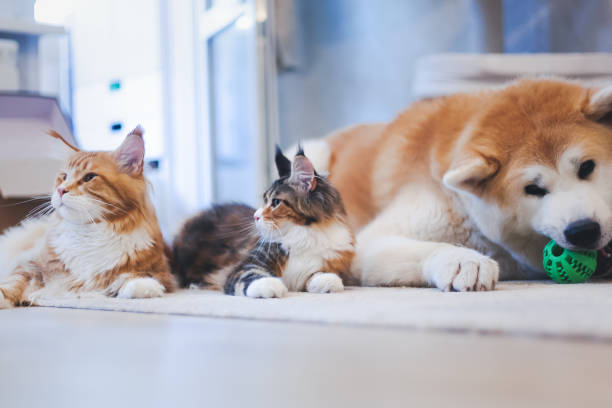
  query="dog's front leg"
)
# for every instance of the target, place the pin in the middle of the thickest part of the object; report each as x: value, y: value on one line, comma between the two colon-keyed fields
x: 394, y: 260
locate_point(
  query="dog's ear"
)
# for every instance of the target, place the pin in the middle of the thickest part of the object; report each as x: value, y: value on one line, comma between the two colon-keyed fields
x: 471, y: 174
x: 599, y: 106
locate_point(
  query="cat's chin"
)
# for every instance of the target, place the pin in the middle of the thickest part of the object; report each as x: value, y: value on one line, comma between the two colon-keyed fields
x: 68, y: 215
x: 61, y: 211
x: 269, y: 240
x: 268, y: 235
x: 64, y: 213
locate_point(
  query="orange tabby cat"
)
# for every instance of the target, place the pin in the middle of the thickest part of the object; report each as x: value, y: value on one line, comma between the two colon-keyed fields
x: 102, y: 236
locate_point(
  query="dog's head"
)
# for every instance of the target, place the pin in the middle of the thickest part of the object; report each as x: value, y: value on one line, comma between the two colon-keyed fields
x: 536, y: 164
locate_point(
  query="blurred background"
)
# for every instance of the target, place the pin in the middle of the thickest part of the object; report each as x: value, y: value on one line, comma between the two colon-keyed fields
x: 216, y: 83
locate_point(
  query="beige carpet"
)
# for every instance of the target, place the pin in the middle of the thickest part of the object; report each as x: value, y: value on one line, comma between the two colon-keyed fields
x: 517, y: 308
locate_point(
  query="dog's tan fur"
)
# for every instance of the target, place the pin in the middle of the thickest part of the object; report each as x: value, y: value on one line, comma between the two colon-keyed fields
x: 467, y: 145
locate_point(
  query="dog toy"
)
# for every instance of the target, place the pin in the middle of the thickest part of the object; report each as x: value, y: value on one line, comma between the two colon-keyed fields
x: 565, y: 266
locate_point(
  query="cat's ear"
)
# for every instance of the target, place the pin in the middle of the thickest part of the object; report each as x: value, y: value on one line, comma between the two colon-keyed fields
x: 283, y: 164
x: 130, y: 155
x: 303, y: 173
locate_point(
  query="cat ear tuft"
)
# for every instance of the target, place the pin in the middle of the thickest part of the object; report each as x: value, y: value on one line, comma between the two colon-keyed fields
x: 283, y: 164
x: 130, y: 155
x: 303, y: 174
x: 138, y: 130
x: 300, y: 150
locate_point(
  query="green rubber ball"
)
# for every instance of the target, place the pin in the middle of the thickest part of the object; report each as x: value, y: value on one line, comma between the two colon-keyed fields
x: 565, y: 266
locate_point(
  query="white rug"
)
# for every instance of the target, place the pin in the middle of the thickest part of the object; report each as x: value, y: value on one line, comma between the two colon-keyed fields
x: 518, y: 308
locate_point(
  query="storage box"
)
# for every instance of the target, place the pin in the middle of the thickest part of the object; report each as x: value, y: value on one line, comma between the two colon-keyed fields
x: 29, y: 158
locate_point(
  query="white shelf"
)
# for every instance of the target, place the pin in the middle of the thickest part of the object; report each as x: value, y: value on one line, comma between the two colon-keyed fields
x: 28, y: 27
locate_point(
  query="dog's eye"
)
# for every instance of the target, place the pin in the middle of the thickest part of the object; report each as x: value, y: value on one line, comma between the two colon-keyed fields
x: 586, y: 169
x: 89, y: 177
x: 275, y: 202
x: 534, y: 189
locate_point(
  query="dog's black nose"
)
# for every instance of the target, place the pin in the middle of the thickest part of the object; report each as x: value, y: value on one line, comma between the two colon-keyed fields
x: 583, y: 233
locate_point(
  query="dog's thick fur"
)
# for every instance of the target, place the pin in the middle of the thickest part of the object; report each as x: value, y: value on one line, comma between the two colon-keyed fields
x: 438, y: 196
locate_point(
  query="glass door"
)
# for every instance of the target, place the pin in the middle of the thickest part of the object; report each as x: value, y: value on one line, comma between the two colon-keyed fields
x: 235, y: 102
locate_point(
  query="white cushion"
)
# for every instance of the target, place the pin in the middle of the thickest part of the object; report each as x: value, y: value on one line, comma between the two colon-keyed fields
x: 443, y: 74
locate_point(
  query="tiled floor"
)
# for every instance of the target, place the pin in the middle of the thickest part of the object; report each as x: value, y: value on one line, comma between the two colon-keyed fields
x: 78, y: 358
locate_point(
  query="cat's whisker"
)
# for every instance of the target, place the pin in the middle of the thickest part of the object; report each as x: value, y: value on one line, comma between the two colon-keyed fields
x: 32, y: 213
x: 39, y: 210
x: 107, y: 204
x: 34, y: 198
x: 41, y: 205
x: 91, y: 218
x: 239, y: 226
x: 233, y: 232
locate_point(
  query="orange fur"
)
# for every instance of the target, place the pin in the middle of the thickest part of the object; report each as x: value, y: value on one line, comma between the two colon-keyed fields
x: 526, y: 122
x: 358, y: 155
x: 122, y: 195
x: 56, y: 135
x: 341, y: 265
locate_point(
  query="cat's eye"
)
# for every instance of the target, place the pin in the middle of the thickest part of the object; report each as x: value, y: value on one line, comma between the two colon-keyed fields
x: 275, y: 202
x: 534, y: 189
x: 63, y: 176
x: 585, y: 170
x: 89, y: 177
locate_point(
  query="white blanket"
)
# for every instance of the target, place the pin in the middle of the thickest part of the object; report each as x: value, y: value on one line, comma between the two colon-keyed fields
x: 515, y: 308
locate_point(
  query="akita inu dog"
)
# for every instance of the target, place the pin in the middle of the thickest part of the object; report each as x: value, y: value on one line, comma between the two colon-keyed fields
x: 460, y: 191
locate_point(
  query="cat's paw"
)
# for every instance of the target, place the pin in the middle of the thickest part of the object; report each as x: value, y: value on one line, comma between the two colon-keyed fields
x: 5, y: 303
x: 461, y: 269
x: 325, y: 283
x: 266, y: 288
x: 138, y: 288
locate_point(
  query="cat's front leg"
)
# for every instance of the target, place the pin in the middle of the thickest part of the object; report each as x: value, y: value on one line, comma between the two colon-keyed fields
x: 324, y: 282
x: 139, y: 288
x: 254, y: 283
x: 12, y: 291
x: 5, y: 303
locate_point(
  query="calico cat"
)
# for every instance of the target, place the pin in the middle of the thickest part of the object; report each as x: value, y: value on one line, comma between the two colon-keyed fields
x: 101, y: 236
x: 298, y: 240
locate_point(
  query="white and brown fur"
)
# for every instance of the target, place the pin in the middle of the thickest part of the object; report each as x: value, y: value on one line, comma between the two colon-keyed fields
x: 101, y: 235
x: 299, y: 240
x: 459, y: 191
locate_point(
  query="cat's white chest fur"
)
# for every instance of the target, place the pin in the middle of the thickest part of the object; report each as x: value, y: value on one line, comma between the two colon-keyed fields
x: 90, y: 249
x: 309, y: 247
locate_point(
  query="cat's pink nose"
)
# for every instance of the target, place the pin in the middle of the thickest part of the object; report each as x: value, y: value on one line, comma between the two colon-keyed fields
x: 257, y: 217
x: 61, y: 191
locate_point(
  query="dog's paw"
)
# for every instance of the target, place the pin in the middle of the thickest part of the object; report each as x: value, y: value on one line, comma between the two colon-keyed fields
x: 5, y: 303
x: 325, y: 282
x: 138, y: 288
x: 266, y: 288
x: 461, y: 269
